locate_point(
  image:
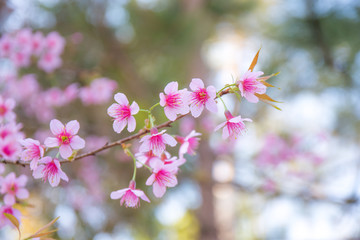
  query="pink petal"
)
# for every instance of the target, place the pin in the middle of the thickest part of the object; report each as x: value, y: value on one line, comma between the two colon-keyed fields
x: 77, y: 142
x: 162, y: 99
x: 56, y: 126
x: 170, y: 113
x: 211, y: 90
x: 150, y: 180
x: 183, y: 148
x: 251, y: 97
x: 196, y: 110
x: 144, y: 197
x: 72, y: 127
x: 219, y: 126
x: 51, y: 142
x: 65, y: 151
x: 211, y: 105
x: 111, y: 111
x: 55, y: 180
x: 169, y: 140
x: 121, y: 98
x: 184, y: 109
x: 63, y: 175
x: 119, y: 125
x: 33, y: 164
x: 134, y: 107
x: 9, y: 199
x: 22, y: 180
x: 225, y: 133
x: 38, y: 172
x: 131, y: 124
x: 171, y: 87
x: 196, y: 83
x: 22, y: 193
x: 159, y: 189
x: 118, y: 194
x: 172, y: 181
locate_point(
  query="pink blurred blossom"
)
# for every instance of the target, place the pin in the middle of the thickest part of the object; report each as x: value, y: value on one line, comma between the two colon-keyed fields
x: 100, y: 91
x: 6, y: 109
x: 9, y: 210
x: 13, y: 188
x: 188, y: 143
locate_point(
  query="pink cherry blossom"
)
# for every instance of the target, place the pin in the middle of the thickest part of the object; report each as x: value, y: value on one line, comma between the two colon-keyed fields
x: 123, y: 113
x: 249, y: 86
x: 156, y: 142
x: 130, y: 196
x: 174, y: 101
x: 6, y: 109
x: 50, y: 170
x: 6, y: 45
x: 54, y: 43
x: 37, y: 43
x: 66, y: 137
x: 233, y: 127
x: 13, y: 187
x: 144, y: 158
x: 33, y: 152
x: 188, y: 143
x: 163, y: 176
x: 9, y: 210
x: 201, y: 97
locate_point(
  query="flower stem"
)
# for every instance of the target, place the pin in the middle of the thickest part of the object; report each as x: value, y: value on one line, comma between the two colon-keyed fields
x: 222, y: 102
x: 134, y: 159
x: 144, y: 110
x: 226, y: 86
x: 155, y: 105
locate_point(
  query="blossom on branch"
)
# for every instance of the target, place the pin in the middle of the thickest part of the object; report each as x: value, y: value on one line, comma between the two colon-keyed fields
x: 202, y: 97
x: 188, y: 143
x: 50, y: 170
x: 174, y: 101
x: 123, y: 113
x: 156, y: 142
x: 130, y: 196
x: 66, y: 137
x: 233, y: 127
x: 33, y: 152
x: 249, y: 86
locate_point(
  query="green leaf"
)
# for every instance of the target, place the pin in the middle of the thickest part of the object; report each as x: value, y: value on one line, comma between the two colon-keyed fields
x: 38, y: 232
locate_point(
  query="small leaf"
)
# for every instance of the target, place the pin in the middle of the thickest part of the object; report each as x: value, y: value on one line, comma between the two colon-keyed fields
x: 274, y: 106
x: 14, y: 221
x: 73, y: 155
x: 43, y: 234
x: 265, y: 97
x: 36, y: 234
x: 254, y: 61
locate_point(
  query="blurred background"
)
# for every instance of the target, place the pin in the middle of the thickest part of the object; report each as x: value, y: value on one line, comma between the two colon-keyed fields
x: 295, y: 174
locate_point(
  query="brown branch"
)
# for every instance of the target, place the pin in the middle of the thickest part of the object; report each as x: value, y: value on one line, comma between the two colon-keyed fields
x: 112, y: 144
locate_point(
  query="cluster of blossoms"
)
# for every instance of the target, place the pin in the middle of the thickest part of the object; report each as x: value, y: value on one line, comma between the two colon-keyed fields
x: 152, y: 152
x: 27, y: 91
x: 24, y: 44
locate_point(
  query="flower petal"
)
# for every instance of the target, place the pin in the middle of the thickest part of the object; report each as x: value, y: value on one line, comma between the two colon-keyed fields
x: 134, y: 107
x: 169, y: 140
x: 159, y: 189
x: 211, y: 105
x: 196, y: 109
x: 131, y: 124
x: 171, y: 87
x: 56, y: 126
x: 121, y: 98
x: 119, y: 125
x: 118, y: 194
x: 77, y: 142
x: 72, y: 127
x: 38, y: 172
x: 196, y: 83
x: 22, y: 193
x: 150, y: 180
x: 65, y: 151
x: 51, y: 142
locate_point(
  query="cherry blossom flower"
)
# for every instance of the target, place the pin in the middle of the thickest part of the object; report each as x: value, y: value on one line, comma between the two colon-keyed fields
x: 37, y: 43
x: 188, y: 143
x: 9, y: 210
x: 156, y: 142
x: 50, y: 170
x: 6, y: 45
x: 174, y: 101
x: 49, y: 61
x: 14, y: 187
x: 54, y: 43
x: 10, y: 149
x: 6, y: 107
x: 249, y: 86
x: 144, y: 158
x: 163, y: 176
x: 233, y: 127
x: 123, y: 113
x: 33, y: 152
x: 201, y: 97
x: 130, y: 196
x: 66, y: 137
